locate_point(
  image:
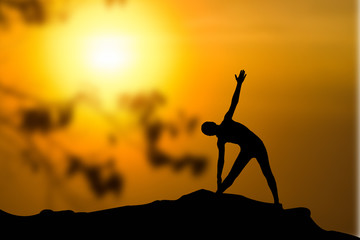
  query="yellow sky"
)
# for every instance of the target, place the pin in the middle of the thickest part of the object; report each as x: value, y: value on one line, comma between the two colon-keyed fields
x: 299, y: 97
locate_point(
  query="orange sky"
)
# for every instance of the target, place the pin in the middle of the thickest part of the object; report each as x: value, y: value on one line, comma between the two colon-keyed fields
x: 299, y: 97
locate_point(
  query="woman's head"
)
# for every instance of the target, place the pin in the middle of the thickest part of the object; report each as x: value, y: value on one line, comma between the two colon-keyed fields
x: 209, y: 128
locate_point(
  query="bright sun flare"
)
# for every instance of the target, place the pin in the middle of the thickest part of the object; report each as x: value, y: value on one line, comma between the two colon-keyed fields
x: 114, y: 51
x: 109, y: 53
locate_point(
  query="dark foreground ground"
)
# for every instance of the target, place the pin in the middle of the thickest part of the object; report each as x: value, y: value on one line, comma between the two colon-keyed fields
x: 201, y: 214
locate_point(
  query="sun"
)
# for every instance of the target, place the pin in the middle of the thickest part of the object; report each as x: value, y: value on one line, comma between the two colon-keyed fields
x: 109, y: 53
x: 125, y: 49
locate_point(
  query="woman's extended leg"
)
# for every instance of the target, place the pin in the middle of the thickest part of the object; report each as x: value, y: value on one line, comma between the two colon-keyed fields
x: 263, y: 161
x: 242, y: 159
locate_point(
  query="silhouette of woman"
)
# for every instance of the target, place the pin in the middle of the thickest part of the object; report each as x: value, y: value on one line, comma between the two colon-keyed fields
x: 250, y: 144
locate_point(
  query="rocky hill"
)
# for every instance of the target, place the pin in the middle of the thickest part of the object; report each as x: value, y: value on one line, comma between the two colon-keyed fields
x: 201, y: 214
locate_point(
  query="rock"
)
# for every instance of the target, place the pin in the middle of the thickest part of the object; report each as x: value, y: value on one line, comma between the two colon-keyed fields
x: 201, y: 214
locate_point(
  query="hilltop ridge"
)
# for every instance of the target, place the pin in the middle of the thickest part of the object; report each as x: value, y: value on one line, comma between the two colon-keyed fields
x: 198, y: 214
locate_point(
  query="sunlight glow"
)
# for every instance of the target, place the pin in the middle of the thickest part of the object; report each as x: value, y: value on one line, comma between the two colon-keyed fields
x: 114, y: 49
x: 108, y: 53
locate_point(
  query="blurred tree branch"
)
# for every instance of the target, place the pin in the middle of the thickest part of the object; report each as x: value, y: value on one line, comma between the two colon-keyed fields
x: 39, y: 11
